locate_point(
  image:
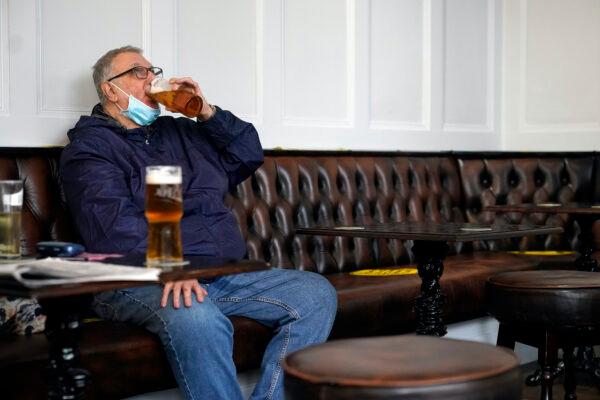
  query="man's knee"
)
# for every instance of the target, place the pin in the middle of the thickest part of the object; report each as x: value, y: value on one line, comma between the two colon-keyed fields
x: 321, y: 292
x: 201, y: 320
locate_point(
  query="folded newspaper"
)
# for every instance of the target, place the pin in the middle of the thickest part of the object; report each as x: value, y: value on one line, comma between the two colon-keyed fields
x: 56, y: 271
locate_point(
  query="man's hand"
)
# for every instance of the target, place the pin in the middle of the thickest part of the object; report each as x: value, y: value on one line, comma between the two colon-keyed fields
x: 192, y: 86
x: 187, y: 287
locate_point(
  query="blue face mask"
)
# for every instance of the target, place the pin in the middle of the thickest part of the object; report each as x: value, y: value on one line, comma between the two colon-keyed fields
x: 138, y: 111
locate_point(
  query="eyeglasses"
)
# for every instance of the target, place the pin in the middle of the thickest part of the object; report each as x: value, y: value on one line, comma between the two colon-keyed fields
x: 140, y: 72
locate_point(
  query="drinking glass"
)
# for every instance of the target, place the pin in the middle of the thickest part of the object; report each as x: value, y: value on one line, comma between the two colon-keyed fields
x: 163, y: 210
x: 11, y: 201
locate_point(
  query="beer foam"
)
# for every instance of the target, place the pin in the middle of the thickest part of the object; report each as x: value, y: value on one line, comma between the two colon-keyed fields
x: 159, y: 85
x: 162, y: 177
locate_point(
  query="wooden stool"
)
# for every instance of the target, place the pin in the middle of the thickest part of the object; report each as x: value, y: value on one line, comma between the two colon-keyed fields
x: 402, y: 367
x: 549, y: 310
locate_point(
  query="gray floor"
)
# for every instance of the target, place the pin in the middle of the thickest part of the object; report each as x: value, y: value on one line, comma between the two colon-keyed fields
x: 585, y: 388
x: 246, y: 379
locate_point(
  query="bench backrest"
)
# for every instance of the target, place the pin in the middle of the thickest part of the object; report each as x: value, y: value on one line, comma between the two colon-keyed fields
x: 45, y: 215
x: 300, y: 188
x: 513, y: 178
x: 293, y: 189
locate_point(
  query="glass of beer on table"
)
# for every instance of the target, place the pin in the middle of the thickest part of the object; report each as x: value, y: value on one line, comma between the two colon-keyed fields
x: 11, y: 201
x: 163, y: 210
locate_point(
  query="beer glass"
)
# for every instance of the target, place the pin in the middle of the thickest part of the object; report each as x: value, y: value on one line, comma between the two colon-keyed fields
x: 163, y: 210
x: 11, y: 200
x: 179, y: 100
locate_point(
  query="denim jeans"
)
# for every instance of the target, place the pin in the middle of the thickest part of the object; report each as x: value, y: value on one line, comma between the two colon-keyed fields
x: 299, y: 306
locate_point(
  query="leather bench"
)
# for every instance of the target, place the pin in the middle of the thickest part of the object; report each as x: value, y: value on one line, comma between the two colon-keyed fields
x: 296, y: 188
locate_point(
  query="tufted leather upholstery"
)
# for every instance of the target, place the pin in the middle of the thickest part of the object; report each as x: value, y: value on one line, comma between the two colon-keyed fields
x: 293, y: 190
x: 44, y: 216
x: 490, y: 179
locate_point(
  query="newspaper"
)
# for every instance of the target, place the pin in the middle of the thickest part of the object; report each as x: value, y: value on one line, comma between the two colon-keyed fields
x: 57, y: 271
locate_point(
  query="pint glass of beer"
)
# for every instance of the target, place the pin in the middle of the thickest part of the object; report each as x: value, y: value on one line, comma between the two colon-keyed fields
x: 179, y: 100
x: 164, y: 209
x: 11, y: 200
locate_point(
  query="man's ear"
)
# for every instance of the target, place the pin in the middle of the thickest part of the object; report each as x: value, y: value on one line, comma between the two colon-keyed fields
x: 109, y: 92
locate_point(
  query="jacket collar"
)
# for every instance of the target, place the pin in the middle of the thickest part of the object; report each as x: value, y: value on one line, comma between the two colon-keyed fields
x: 98, y: 112
x: 146, y: 134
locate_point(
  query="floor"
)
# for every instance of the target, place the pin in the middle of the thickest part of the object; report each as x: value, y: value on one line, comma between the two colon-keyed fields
x: 585, y: 388
x: 246, y: 380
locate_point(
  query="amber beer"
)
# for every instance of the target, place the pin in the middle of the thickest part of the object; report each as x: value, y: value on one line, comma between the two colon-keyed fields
x: 164, y: 209
x: 11, y: 201
x: 181, y: 101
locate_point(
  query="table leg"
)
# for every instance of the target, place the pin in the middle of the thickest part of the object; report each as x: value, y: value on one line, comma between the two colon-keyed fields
x: 429, y: 304
x: 586, y: 359
x: 66, y: 380
x: 585, y: 261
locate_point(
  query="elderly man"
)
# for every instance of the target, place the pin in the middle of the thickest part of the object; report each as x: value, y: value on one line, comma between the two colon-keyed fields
x: 103, y: 176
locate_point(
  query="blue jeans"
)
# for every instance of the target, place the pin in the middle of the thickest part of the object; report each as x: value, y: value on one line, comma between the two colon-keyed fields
x: 299, y: 306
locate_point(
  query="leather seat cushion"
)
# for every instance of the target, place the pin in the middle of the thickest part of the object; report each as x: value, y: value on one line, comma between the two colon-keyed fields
x: 380, y: 305
x: 123, y: 359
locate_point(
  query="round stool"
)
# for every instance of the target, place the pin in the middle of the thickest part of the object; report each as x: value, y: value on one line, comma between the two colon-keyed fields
x: 402, y: 367
x: 548, y: 309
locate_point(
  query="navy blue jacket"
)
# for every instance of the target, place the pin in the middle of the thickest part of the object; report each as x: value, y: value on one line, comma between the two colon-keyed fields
x: 103, y: 172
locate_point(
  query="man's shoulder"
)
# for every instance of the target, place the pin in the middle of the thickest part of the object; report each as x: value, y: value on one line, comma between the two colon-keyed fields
x: 90, y: 138
x: 92, y: 134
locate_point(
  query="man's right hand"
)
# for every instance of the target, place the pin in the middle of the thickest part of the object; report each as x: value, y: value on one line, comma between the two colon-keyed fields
x: 192, y: 86
x: 186, y: 287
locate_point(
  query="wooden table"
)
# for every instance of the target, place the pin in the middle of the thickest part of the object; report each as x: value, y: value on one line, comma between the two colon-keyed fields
x: 584, y: 213
x: 430, y: 248
x: 63, y: 306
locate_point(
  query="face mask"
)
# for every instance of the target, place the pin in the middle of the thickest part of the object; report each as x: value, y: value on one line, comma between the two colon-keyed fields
x: 138, y: 111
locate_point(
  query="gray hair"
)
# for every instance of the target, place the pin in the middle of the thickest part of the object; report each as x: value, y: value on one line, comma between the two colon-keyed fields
x: 103, y: 67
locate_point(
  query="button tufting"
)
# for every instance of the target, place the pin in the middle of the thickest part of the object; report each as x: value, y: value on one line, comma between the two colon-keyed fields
x: 485, y: 179
x: 513, y: 178
x: 539, y: 177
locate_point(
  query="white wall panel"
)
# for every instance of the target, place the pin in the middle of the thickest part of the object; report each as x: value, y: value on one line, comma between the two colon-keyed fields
x: 71, y: 37
x: 551, y: 75
x: 355, y: 74
x: 399, y: 73
x: 3, y: 57
x: 468, y: 89
x: 219, y: 44
x: 316, y: 61
x: 562, y: 62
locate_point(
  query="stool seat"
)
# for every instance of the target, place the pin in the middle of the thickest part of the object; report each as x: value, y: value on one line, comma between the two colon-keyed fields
x: 553, y: 298
x: 552, y: 279
x: 402, y: 367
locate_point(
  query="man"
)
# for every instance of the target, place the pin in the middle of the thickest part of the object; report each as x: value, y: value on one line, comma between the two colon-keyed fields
x: 103, y: 176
